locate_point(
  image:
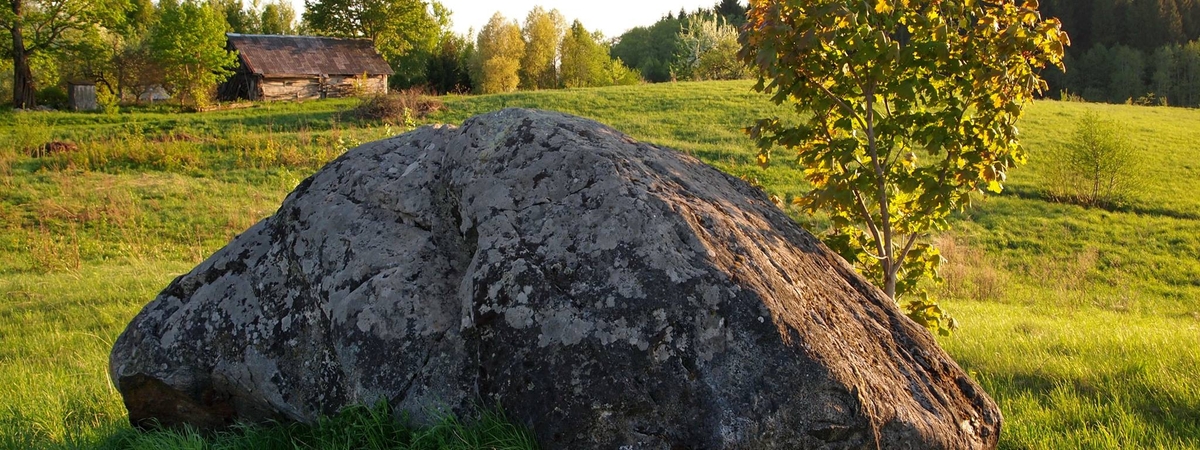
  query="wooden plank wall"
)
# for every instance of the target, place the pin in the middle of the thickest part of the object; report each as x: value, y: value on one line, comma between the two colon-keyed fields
x: 311, y: 88
x: 290, y: 88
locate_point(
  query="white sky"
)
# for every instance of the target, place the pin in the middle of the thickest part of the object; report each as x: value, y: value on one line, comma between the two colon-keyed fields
x: 612, y: 17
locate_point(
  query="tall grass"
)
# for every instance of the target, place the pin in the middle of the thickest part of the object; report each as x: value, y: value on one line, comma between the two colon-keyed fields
x: 1082, y: 323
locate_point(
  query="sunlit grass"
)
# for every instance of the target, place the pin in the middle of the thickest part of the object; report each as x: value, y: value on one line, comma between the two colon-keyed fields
x: 1083, y: 324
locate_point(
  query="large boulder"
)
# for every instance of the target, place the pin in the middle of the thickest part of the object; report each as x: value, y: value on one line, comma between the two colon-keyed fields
x: 606, y: 293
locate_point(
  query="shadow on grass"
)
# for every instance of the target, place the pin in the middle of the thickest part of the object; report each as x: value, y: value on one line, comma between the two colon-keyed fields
x: 357, y: 427
x: 1144, y: 210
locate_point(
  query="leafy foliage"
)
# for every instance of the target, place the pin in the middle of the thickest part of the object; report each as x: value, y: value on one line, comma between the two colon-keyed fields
x: 449, y: 68
x: 241, y: 18
x: 37, y: 27
x: 586, y: 62
x: 1098, y: 167
x: 499, y: 49
x: 405, y: 32
x: 889, y: 83
x: 583, y: 58
x: 542, y: 33
x: 189, y: 42
x: 708, y: 50
x: 278, y: 17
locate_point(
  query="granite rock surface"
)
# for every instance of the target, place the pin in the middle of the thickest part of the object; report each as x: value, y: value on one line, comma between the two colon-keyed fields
x: 606, y: 293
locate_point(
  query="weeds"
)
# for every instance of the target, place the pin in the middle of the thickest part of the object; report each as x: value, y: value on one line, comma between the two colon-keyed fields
x: 1081, y: 323
x: 402, y: 108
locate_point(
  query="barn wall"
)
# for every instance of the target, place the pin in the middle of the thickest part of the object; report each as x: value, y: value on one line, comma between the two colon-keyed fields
x: 290, y: 88
x: 297, y: 88
x: 349, y: 85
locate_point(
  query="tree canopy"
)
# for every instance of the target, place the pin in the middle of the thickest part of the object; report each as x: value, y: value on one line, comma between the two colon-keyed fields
x: 37, y: 26
x: 909, y: 107
x: 406, y: 32
x: 542, y: 32
x: 499, y: 50
x: 189, y: 43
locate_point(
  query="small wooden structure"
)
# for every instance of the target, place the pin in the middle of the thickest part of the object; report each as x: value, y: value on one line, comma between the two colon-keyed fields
x: 303, y: 67
x: 81, y: 96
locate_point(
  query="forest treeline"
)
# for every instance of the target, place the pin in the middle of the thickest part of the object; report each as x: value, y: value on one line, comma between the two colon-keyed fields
x: 134, y: 49
x: 1142, y: 51
x: 543, y: 53
x: 1138, y: 51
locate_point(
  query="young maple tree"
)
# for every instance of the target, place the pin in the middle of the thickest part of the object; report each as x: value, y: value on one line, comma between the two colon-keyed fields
x: 907, y: 107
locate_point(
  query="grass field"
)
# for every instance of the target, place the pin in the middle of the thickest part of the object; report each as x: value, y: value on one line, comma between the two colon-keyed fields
x: 1083, y: 324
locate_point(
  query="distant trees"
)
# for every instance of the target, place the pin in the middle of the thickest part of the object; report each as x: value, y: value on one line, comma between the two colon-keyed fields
x: 47, y: 26
x: 499, y: 50
x: 708, y: 50
x: 240, y: 18
x: 651, y: 50
x: 586, y: 61
x: 189, y: 43
x: 448, y: 71
x: 542, y: 32
x: 1168, y: 75
x: 1142, y: 24
x: 278, y: 17
x: 1121, y: 50
x: 406, y: 32
x: 543, y: 55
x: 583, y: 58
x: 696, y: 46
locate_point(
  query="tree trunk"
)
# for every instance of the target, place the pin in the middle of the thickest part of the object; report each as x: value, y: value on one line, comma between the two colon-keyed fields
x: 22, y: 75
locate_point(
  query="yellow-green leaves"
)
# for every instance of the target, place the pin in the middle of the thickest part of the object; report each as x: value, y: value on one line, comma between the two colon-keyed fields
x: 913, y: 106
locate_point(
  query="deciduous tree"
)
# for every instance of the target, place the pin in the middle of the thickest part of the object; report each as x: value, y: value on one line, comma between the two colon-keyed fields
x: 499, y: 49
x: 189, y: 43
x: 278, y: 17
x: 543, y: 31
x: 36, y: 26
x: 405, y: 32
x: 241, y: 18
x: 583, y: 58
x: 448, y: 71
x: 651, y: 50
x: 709, y: 48
x: 908, y: 107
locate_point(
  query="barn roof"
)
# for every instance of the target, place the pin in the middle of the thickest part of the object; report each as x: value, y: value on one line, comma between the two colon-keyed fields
x: 307, y: 55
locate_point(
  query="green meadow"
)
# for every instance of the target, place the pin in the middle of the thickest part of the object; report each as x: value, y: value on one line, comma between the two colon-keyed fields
x: 1083, y: 324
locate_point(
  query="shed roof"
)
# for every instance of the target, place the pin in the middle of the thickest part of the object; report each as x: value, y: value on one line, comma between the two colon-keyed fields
x: 307, y: 55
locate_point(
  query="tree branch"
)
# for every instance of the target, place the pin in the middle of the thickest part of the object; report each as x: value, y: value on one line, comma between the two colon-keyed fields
x: 912, y: 239
x: 830, y: 95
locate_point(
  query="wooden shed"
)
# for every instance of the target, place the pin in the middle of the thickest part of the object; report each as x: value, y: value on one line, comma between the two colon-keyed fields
x: 81, y: 96
x: 303, y: 67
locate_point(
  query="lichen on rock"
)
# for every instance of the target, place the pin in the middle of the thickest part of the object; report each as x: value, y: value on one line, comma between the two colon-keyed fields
x: 606, y: 293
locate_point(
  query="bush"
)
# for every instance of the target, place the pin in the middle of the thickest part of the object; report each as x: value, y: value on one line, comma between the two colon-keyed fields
x: 398, y: 108
x: 52, y: 96
x: 1097, y: 168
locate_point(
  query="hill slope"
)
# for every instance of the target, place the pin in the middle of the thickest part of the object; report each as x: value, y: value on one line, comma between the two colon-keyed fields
x: 1082, y: 323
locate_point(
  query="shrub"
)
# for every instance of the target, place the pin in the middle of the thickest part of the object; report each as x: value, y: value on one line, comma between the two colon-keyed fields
x: 398, y: 108
x: 53, y: 97
x: 1096, y: 168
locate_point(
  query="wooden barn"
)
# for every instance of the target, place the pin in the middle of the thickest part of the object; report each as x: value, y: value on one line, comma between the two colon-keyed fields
x: 303, y: 67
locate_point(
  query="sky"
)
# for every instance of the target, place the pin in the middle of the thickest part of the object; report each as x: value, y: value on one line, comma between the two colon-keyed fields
x: 612, y: 17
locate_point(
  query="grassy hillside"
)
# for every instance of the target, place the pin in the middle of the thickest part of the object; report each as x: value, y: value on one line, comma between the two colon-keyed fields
x: 1084, y: 324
